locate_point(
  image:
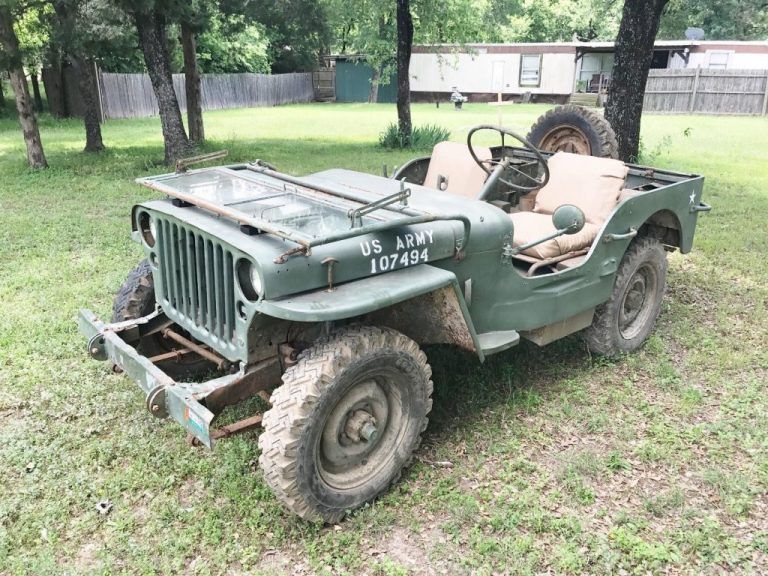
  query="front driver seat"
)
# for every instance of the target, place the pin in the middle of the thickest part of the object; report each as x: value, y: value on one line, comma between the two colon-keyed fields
x: 588, y: 182
x: 452, y: 169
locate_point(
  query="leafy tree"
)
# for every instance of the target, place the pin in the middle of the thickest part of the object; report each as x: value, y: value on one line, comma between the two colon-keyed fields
x: 558, y: 21
x: 232, y: 44
x: 369, y: 28
x: 721, y: 20
x: 193, y: 17
x: 73, y: 29
x: 33, y: 32
x: 109, y: 37
x: 634, y: 51
x: 11, y: 58
x: 151, y: 18
x: 297, y: 30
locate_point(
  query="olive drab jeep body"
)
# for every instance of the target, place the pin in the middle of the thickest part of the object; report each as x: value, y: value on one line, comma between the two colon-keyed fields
x: 318, y: 292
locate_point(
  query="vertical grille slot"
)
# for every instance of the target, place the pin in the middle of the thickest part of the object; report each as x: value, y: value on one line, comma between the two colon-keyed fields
x: 197, y: 279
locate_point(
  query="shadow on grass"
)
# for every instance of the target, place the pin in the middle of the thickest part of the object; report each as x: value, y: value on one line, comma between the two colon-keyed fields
x: 517, y: 378
x: 289, y: 155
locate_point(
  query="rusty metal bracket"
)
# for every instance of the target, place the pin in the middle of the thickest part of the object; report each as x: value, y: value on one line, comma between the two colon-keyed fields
x: 220, y: 362
x: 156, y: 402
x: 183, y: 163
x: 239, y: 427
x: 356, y: 215
x: 330, y: 263
x: 292, y: 252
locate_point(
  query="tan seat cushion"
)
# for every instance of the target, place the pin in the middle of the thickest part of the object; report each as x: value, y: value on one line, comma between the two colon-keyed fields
x: 530, y: 226
x: 453, y: 161
x: 629, y: 193
x: 593, y: 184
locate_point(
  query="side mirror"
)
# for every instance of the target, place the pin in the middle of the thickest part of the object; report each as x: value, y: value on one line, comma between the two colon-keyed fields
x: 568, y: 219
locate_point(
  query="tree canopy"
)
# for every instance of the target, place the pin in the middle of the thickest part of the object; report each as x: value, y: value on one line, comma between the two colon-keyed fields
x: 720, y: 20
x: 293, y: 35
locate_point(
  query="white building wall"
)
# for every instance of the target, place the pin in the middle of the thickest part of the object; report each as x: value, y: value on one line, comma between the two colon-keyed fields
x: 736, y: 61
x: 475, y: 73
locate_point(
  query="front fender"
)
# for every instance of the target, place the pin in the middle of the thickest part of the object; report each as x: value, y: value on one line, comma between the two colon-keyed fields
x: 370, y: 295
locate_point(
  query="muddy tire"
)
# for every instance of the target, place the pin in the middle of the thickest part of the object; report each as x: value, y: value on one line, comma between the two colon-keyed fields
x: 626, y: 320
x: 345, y: 421
x: 136, y: 298
x: 574, y: 129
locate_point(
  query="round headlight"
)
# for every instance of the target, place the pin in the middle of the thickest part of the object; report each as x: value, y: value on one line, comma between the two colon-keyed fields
x: 148, y: 228
x: 153, y: 227
x: 256, y: 281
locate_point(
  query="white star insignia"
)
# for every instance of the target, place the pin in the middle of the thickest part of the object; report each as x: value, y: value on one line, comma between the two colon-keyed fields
x: 693, y: 197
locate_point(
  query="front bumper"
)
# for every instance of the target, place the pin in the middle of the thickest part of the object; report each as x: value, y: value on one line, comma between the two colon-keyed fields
x: 164, y: 396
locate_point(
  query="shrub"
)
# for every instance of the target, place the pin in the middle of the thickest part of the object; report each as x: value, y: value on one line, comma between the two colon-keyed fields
x: 423, y: 137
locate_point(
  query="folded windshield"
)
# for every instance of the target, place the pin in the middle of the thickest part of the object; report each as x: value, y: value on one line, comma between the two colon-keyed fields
x: 310, y: 214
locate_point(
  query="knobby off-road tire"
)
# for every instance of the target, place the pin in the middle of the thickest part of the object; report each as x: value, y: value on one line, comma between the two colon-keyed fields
x: 314, y: 451
x: 136, y: 298
x: 624, y: 322
x: 574, y: 129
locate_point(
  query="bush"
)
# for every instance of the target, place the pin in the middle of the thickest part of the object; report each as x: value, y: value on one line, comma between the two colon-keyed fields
x: 423, y: 137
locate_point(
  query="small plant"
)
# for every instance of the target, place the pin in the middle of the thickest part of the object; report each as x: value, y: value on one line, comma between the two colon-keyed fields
x: 422, y: 137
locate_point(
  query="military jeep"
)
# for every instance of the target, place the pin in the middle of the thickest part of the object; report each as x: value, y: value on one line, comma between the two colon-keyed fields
x: 317, y: 293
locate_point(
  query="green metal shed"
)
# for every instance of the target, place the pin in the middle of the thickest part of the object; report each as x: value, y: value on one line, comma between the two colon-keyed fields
x: 353, y: 82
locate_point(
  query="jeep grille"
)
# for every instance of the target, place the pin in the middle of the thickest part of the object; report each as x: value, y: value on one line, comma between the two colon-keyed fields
x: 197, y: 280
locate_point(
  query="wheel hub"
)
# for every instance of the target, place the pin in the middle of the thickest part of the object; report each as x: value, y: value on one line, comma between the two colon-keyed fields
x: 637, y: 306
x: 361, y: 427
x: 566, y: 139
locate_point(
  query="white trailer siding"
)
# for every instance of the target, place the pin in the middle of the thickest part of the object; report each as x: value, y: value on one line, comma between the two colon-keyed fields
x: 722, y: 59
x: 487, y: 72
x: 485, y: 69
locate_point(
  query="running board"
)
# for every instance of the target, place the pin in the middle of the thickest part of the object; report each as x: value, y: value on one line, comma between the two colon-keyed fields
x: 493, y: 342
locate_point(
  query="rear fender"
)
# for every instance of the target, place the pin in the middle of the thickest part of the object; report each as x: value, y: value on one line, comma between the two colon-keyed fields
x: 423, y: 302
x: 669, y: 213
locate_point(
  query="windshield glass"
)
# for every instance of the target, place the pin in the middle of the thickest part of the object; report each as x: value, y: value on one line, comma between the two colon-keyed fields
x: 269, y: 200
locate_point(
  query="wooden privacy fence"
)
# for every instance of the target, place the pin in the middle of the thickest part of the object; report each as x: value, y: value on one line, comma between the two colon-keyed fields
x: 131, y: 95
x: 705, y: 91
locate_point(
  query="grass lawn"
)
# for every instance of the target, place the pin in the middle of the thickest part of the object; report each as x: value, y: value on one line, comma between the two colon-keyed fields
x: 540, y: 460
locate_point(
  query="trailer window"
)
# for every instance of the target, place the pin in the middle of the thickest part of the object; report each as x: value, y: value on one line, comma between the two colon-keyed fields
x: 530, y: 70
x: 718, y: 60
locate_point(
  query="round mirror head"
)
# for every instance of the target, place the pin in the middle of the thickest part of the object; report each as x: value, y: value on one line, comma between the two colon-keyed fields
x: 569, y: 218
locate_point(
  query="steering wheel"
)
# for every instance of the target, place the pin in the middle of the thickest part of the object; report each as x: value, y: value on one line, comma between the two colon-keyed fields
x: 535, y: 183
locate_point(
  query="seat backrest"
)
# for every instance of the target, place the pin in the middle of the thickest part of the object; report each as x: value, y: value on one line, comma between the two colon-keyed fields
x: 591, y: 183
x: 453, y: 162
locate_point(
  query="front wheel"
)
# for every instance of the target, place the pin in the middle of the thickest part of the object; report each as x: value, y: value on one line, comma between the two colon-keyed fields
x: 625, y: 321
x: 346, y: 421
x: 136, y: 298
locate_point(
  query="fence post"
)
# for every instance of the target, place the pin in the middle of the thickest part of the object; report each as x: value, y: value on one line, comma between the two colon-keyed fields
x: 692, y: 103
x: 97, y: 75
x: 765, y: 97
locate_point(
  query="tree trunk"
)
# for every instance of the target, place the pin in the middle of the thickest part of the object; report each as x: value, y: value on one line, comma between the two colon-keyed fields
x: 2, y: 94
x: 38, y: 99
x: 10, y: 45
x: 150, y: 27
x: 54, y: 89
x: 89, y: 87
x: 192, y: 84
x: 373, y: 95
x: 404, y: 45
x: 634, y: 51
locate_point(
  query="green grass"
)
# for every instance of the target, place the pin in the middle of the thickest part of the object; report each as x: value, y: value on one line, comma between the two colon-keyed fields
x: 559, y: 462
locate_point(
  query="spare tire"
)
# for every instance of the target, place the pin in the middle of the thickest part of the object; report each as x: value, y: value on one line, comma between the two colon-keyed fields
x: 574, y: 129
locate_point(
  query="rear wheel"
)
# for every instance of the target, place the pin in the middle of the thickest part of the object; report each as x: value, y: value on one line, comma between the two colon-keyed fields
x: 626, y: 320
x: 346, y: 421
x: 574, y: 129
